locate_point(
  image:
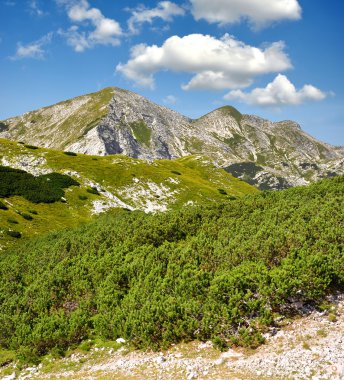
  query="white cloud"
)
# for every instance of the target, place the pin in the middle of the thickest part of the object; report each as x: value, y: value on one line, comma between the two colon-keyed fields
x: 280, y: 92
x: 170, y: 99
x: 259, y: 13
x: 35, y: 9
x: 77, y: 40
x: 165, y: 10
x: 215, y: 64
x: 105, y: 31
x: 32, y: 50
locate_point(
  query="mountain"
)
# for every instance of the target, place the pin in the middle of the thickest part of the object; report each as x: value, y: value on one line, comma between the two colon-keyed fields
x: 115, y: 121
x: 84, y: 186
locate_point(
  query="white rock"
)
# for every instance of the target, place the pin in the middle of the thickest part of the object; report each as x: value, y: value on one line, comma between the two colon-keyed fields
x: 230, y: 354
x: 160, y: 359
x: 120, y: 340
x: 10, y: 377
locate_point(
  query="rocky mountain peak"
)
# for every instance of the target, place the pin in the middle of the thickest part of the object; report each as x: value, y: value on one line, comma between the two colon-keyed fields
x: 117, y: 121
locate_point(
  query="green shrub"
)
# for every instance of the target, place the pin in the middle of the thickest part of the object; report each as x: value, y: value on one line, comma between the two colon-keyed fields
x: 3, y: 206
x: 33, y: 147
x: 59, y: 181
x: 70, y: 153
x: 26, y: 216
x: 83, y: 197
x: 14, y: 234
x: 222, y: 191
x: 12, y: 221
x: 42, y: 189
x: 93, y: 190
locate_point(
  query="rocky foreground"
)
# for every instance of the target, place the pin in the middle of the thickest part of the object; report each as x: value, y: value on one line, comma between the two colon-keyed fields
x: 310, y: 347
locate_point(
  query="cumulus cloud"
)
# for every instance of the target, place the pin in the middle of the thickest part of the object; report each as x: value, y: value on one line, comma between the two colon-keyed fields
x: 165, y: 10
x: 280, y: 92
x: 259, y: 13
x: 105, y: 31
x: 216, y: 64
x: 34, y: 49
x: 78, y: 40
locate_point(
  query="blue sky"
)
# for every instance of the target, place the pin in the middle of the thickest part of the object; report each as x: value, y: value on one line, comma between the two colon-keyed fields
x: 279, y: 59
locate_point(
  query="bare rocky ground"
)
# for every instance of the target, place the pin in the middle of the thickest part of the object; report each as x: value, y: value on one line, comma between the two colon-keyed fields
x: 311, y: 347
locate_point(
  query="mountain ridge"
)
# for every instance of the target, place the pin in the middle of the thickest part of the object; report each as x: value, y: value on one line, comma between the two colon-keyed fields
x: 118, y: 121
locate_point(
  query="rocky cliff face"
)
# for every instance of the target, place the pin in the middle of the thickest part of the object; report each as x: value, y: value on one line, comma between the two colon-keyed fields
x: 112, y: 121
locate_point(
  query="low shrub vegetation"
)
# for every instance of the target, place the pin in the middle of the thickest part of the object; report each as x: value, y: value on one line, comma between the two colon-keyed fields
x: 93, y: 190
x: 73, y: 154
x: 12, y: 221
x: 3, y: 206
x: 33, y: 147
x: 217, y: 272
x: 14, y: 234
x: 46, y: 188
x: 26, y: 216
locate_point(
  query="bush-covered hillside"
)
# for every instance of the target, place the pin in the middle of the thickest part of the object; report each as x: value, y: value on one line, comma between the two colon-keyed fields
x: 219, y: 272
x: 90, y: 185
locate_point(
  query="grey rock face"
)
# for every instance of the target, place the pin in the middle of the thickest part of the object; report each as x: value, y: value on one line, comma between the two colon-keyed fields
x: 282, y: 154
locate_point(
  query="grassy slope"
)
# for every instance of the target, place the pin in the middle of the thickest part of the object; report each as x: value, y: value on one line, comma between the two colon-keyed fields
x: 75, y: 118
x: 122, y: 176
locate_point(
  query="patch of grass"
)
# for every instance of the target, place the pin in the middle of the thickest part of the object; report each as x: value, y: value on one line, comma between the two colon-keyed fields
x: 233, y: 112
x: 141, y: 132
x: 332, y: 317
x: 235, y: 140
x: 83, y: 197
x: 321, y: 332
x: 195, y: 144
x: 175, y: 172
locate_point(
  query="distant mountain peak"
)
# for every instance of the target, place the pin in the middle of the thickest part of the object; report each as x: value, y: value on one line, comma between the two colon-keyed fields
x: 118, y: 121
